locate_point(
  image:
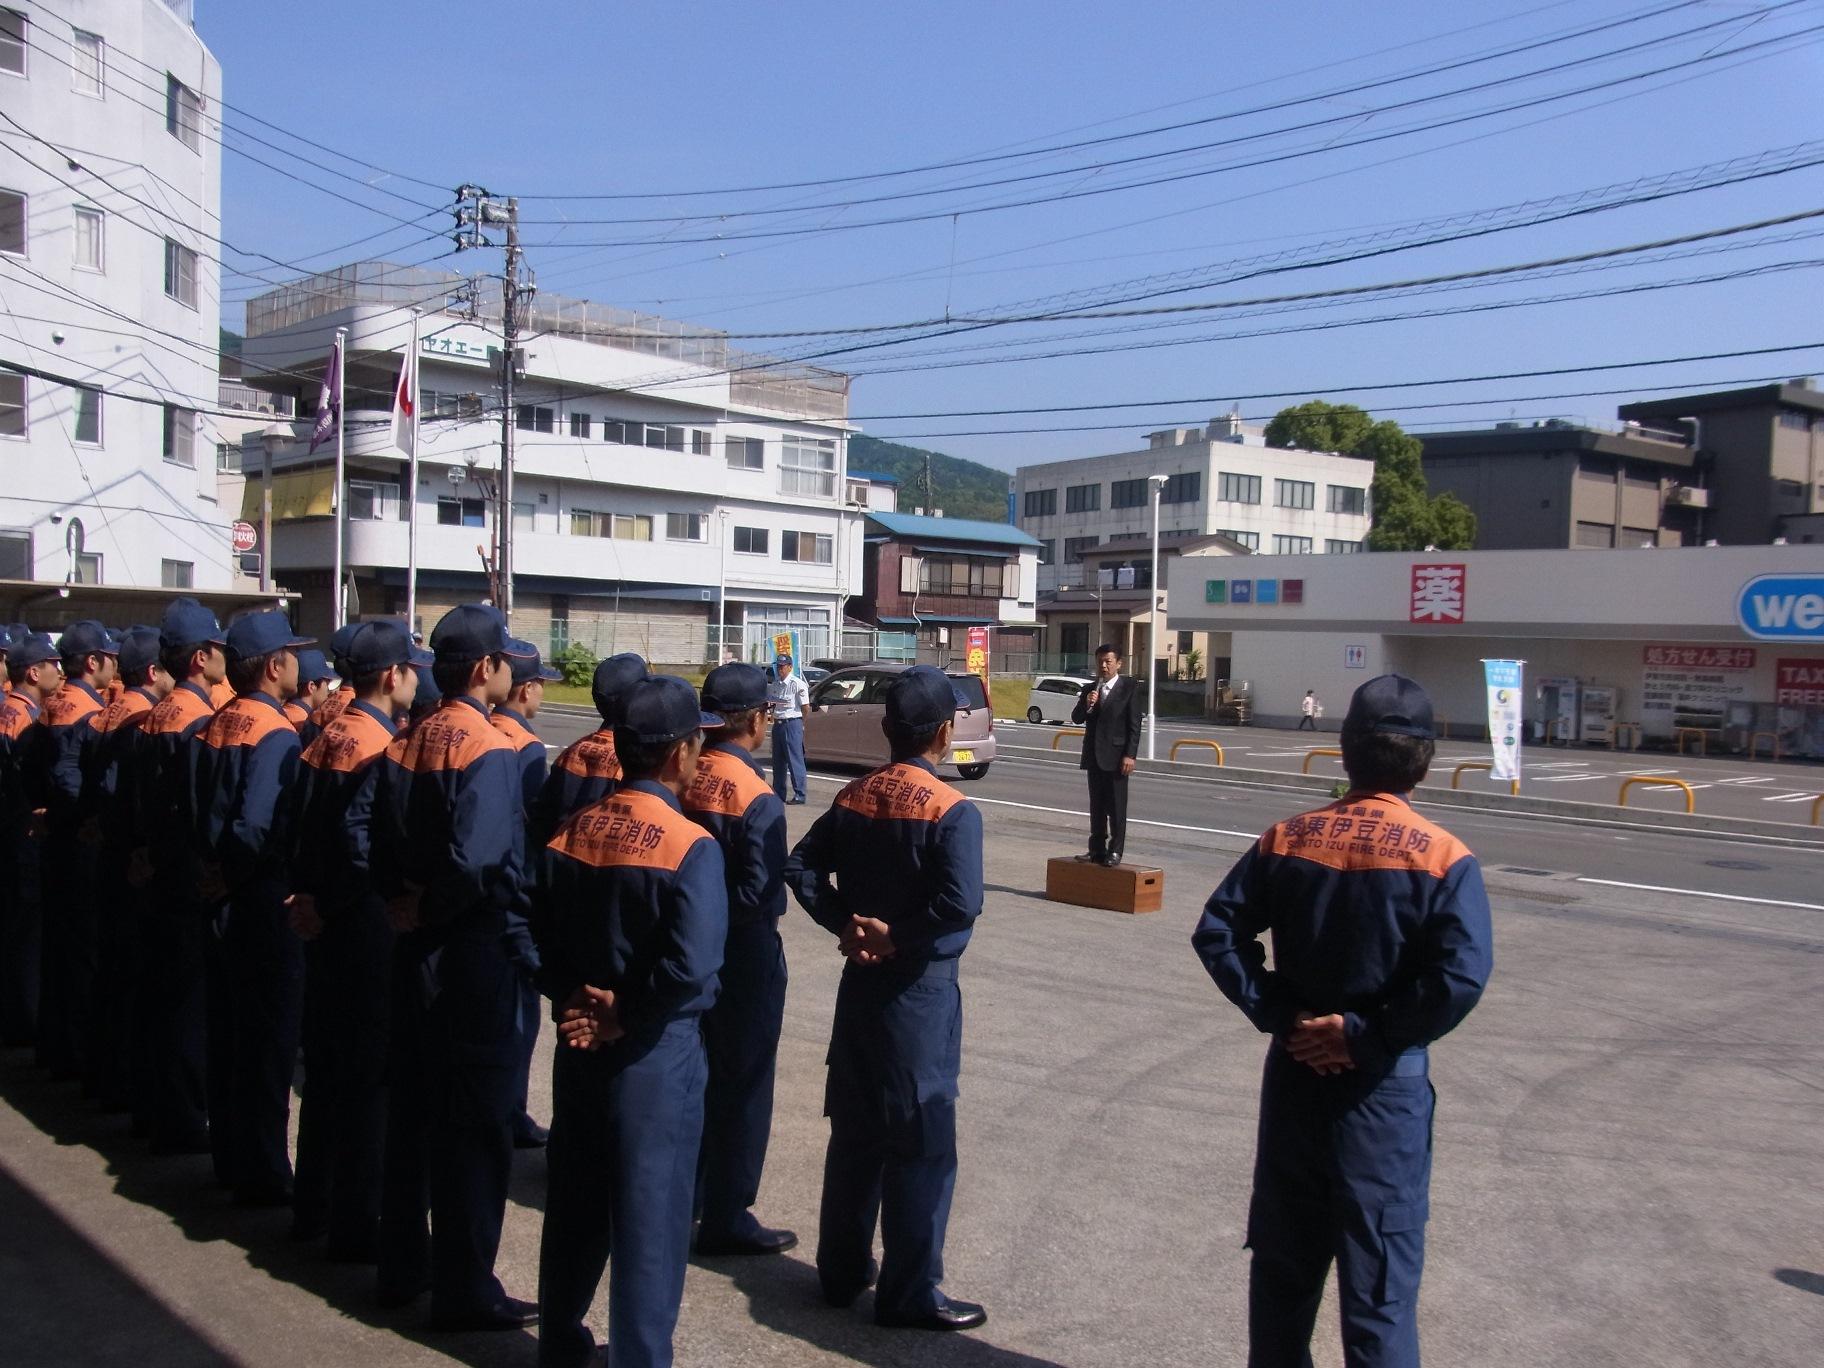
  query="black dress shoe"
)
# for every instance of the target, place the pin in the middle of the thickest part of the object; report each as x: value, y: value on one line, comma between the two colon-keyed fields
x: 761, y: 1240
x: 509, y: 1313
x: 1089, y: 857
x: 949, y: 1315
x: 531, y: 1136
x: 1111, y: 859
x: 840, y: 1297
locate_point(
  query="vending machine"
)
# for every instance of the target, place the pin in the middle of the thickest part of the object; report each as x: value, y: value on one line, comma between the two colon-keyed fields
x: 1558, y: 719
x: 1600, y: 704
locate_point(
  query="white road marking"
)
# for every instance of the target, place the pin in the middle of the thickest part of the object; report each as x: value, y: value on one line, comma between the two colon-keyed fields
x: 1700, y: 893
x: 1765, y: 779
x: 1787, y: 797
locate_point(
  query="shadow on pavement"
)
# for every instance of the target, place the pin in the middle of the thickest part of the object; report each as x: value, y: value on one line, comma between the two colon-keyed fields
x: 183, y: 1188
x: 783, y: 1295
x: 1799, y: 1278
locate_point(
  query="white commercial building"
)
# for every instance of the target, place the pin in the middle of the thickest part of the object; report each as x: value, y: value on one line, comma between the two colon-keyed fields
x: 1221, y: 479
x: 110, y: 194
x: 663, y: 482
x: 1726, y: 641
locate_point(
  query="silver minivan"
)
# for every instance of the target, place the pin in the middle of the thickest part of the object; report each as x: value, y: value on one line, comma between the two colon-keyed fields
x: 1053, y: 697
x: 843, y: 725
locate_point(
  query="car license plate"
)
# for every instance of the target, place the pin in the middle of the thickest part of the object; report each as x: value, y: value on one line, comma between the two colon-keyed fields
x: 963, y: 757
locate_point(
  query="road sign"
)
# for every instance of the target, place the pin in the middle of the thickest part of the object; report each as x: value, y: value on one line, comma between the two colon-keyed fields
x: 246, y: 537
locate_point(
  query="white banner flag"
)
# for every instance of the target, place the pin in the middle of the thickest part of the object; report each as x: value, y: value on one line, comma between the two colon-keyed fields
x: 1505, y: 698
x: 405, y: 399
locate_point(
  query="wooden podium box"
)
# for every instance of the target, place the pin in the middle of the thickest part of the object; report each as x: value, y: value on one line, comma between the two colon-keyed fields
x: 1122, y: 888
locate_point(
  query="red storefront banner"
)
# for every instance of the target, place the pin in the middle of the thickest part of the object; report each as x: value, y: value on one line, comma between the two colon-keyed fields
x: 1439, y: 593
x: 1799, y: 683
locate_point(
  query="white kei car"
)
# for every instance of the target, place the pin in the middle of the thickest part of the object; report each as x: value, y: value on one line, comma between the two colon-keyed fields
x: 1053, y: 696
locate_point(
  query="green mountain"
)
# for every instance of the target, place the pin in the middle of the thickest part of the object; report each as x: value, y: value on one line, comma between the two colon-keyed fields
x: 963, y: 489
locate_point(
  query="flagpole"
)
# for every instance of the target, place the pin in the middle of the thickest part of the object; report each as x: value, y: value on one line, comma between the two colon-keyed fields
x: 339, y: 611
x: 411, y: 525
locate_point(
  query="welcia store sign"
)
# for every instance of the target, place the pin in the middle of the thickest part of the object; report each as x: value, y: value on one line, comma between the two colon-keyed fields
x: 1782, y: 608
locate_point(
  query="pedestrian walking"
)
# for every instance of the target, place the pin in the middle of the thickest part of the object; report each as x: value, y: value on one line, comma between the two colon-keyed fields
x: 1309, y: 711
x: 1110, y: 712
x: 788, y: 696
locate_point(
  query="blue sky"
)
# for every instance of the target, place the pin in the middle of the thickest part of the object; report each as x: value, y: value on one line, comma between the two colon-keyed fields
x: 564, y: 99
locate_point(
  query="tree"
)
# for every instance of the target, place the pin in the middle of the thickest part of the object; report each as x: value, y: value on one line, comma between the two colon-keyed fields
x: 1318, y: 426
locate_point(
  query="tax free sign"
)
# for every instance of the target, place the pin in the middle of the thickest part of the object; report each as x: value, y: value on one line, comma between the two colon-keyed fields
x: 1782, y: 607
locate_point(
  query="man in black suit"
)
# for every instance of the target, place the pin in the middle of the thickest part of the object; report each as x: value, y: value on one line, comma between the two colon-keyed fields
x: 1110, y: 710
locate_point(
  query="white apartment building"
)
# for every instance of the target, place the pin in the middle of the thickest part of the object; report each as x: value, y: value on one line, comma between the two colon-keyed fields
x: 1220, y: 479
x: 663, y: 482
x: 110, y: 211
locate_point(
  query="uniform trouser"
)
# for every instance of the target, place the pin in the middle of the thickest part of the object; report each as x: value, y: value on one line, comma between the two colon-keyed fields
x: 531, y: 1013
x: 1107, y: 811
x: 1342, y: 1172
x: 265, y: 962
x: 626, y: 1125
x: 741, y: 1035
x: 173, y: 1083
x: 107, y: 1050
x: 66, y: 978
x: 895, y: 1053
x: 20, y: 928
x: 342, y: 1116
x: 453, y: 1047
x: 788, y: 755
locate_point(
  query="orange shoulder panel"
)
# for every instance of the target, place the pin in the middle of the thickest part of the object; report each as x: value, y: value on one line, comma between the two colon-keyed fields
x: 723, y: 785
x: 348, y: 743
x: 333, y: 707
x: 295, y: 712
x: 221, y: 695
x: 629, y: 830
x: 131, y: 708
x: 592, y: 757
x: 244, y: 723
x: 903, y: 793
x: 15, y: 717
x: 174, y: 712
x: 453, y: 737
x: 69, y: 705
x: 1366, y: 833
x: 518, y: 734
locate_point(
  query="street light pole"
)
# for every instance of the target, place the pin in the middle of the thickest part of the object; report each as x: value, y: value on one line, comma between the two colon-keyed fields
x: 1152, y: 631
x: 721, y: 585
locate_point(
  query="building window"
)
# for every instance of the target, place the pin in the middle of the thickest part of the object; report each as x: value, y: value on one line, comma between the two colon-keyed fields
x: 1251, y: 540
x: 1295, y: 493
x: 813, y: 548
x: 1341, y: 548
x: 89, y: 239
x: 180, y: 273
x: 1348, y: 499
x: 1185, y: 487
x: 12, y: 405
x: 1595, y: 534
x: 585, y: 522
x: 663, y: 438
x: 524, y: 515
x: 535, y: 418
x: 13, y: 33
x: 183, y: 114
x: 86, y: 62
x: 686, y: 526
x: 1238, y: 488
x: 960, y: 575
x: 88, y: 568
x: 85, y: 409
x: 631, y: 527
x: 1040, y: 503
x: 176, y: 574
x: 180, y: 436
x: 1797, y: 421
x: 1127, y: 494
x: 807, y: 466
x: 15, y: 555
x: 614, y: 430
x: 1083, y: 498
x: 750, y: 541
x: 579, y: 425
x: 455, y: 512
x: 1291, y: 546
x: 699, y: 442
x: 1074, y: 547
x: 1048, y: 552
x: 371, y: 501
x: 12, y: 222
x: 745, y: 453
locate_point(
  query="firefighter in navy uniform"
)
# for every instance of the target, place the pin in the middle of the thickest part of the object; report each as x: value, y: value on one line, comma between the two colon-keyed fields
x: 1381, y: 943
x: 894, y: 870
x: 338, y: 698
x: 586, y: 770
x: 732, y: 799
x: 448, y: 855
x: 630, y: 916
x: 348, y: 946
x: 33, y: 671
x: 314, y: 676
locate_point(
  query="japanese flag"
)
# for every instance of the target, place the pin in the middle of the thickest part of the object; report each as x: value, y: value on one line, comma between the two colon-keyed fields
x: 405, y: 400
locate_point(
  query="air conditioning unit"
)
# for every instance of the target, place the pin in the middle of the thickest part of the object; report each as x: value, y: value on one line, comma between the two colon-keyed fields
x: 1688, y: 496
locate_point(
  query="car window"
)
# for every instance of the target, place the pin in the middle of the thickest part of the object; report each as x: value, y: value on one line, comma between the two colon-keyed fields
x: 844, y: 690
x: 876, y: 690
x: 970, y: 687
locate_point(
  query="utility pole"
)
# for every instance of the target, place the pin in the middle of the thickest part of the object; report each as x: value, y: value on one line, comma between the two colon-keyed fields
x: 475, y: 210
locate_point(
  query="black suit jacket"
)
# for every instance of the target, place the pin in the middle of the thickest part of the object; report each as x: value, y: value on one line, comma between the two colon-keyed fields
x: 1113, y: 729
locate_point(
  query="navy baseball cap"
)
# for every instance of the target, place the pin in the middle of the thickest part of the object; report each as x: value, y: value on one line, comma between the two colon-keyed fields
x: 35, y: 649
x: 922, y: 697
x: 1390, y: 704
x: 527, y: 666
x: 734, y: 688
x: 313, y: 665
x: 338, y: 647
x: 376, y: 646
x: 428, y: 695
x: 188, y: 623
x: 85, y: 638
x: 661, y: 709
x: 470, y: 632
x: 613, y: 677
x: 139, y: 648
x: 6, y: 636
x: 259, y: 634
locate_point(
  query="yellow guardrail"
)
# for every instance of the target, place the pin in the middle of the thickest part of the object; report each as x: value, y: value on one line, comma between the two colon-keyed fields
x: 1630, y: 728
x: 1311, y: 755
x: 1063, y: 732
x: 1195, y: 741
x: 1754, y: 739
x: 1626, y: 784
x: 1680, y: 733
x: 1456, y: 775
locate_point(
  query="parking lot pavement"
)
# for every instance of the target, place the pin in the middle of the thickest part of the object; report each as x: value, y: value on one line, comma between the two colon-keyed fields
x: 1629, y: 1137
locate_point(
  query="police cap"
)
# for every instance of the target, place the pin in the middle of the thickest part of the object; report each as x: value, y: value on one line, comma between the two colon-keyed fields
x: 1391, y: 704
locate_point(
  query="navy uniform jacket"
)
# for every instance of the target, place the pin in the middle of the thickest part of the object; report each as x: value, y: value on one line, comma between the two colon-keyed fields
x: 448, y: 820
x: 1375, y: 913
x: 585, y: 772
x: 169, y: 738
x: 531, y: 752
x: 18, y: 717
x: 904, y: 847
x: 631, y: 898
x: 731, y: 799
x: 63, y: 745
x: 245, y: 767
x: 326, y: 712
x: 114, y: 765
x: 338, y: 774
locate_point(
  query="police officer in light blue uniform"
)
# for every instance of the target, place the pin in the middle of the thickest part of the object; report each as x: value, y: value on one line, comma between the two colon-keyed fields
x: 894, y: 870
x: 1381, y: 943
x: 788, y: 696
x: 630, y: 917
